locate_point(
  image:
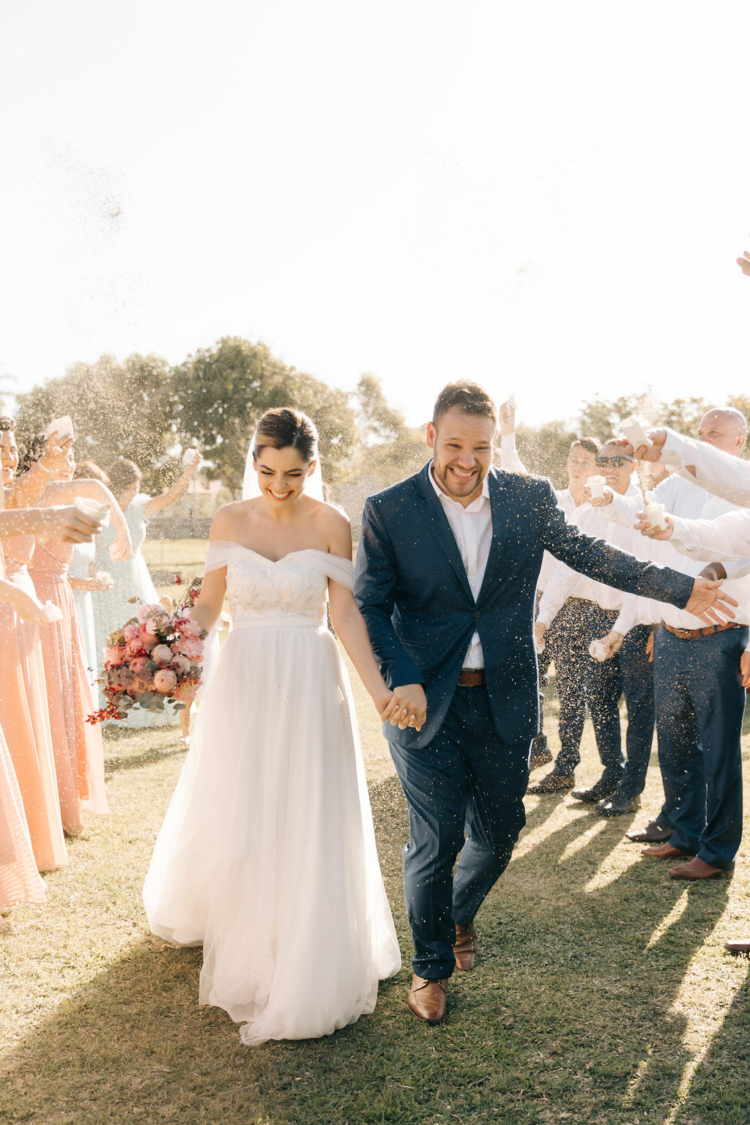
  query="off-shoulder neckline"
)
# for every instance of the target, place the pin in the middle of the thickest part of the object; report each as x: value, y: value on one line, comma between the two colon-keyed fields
x: 288, y: 555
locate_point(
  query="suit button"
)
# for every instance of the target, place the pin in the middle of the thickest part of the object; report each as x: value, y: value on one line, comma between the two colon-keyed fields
x: 477, y: 615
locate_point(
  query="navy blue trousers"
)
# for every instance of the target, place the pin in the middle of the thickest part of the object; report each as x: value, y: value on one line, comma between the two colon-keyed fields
x: 630, y: 673
x: 465, y: 794
x: 699, y: 706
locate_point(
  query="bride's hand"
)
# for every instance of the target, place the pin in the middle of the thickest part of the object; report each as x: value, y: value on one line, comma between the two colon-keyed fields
x: 407, y: 707
x: 382, y: 700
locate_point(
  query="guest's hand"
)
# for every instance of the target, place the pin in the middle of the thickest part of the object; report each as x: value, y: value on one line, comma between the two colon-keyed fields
x: 598, y: 501
x: 651, y: 532
x: 192, y: 461
x: 71, y: 524
x: 407, y: 707
x: 612, y: 642
x: 709, y: 602
x: 55, y: 452
x: 744, y: 263
x: 650, y: 648
x: 745, y: 668
x: 101, y: 581
x: 507, y: 418
x: 27, y: 607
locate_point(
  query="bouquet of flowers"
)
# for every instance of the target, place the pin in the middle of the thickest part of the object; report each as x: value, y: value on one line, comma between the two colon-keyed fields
x: 155, y: 656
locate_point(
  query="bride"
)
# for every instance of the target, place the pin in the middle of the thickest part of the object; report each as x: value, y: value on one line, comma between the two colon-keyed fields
x: 267, y: 854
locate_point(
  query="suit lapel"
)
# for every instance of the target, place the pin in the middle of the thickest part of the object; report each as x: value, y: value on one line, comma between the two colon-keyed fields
x: 498, y: 485
x: 434, y: 517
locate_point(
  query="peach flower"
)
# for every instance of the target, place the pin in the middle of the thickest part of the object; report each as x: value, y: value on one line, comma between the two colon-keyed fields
x: 164, y: 681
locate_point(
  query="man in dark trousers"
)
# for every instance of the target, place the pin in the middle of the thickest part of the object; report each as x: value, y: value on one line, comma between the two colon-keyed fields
x: 446, y: 578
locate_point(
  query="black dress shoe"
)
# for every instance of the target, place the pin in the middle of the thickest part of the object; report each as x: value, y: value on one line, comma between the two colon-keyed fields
x: 603, y: 788
x: 618, y: 804
x: 653, y: 833
x: 552, y: 783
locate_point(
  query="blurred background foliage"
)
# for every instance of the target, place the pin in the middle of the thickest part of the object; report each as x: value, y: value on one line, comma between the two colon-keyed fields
x: 145, y: 409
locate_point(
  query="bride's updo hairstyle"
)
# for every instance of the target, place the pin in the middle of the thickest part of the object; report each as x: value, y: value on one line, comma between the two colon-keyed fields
x: 285, y: 428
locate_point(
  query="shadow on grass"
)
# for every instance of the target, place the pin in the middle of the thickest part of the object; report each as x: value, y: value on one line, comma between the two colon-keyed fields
x: 114, y: 764
x: 565, y: 1005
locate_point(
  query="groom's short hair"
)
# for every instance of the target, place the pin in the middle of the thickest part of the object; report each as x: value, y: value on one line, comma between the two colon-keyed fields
x: 467, y: 396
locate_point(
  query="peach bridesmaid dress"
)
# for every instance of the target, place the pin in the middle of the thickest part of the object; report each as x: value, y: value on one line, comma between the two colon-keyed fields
x: 19, y: 879
x: 78, y: 748
x: 24, y: 715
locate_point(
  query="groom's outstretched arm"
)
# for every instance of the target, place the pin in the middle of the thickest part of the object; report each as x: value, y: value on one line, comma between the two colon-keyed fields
x: 375, y: 580
x: 599, y: 560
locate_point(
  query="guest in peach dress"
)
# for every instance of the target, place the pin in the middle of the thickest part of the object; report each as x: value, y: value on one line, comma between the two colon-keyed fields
x: 19, y: 878
x: 78, y: 747
x: 24, y: 713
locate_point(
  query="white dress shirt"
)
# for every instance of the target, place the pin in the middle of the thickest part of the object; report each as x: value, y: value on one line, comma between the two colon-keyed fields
x: 512, y: 463
x: 717, y: 540
x: 472, y: 530
x: 720, y: 473
x: 566, y: 583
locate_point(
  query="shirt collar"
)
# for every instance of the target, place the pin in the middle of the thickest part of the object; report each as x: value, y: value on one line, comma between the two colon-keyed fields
x: 475, y: 506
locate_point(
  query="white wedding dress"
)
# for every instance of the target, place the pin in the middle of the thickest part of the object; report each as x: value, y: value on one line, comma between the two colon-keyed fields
x: 267, y: 854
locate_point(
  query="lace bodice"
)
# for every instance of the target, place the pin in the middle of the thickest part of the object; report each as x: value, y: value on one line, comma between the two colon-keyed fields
x: 295, y: 586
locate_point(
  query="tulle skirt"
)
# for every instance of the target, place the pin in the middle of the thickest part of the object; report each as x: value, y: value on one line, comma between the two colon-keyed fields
x: 267, y: 854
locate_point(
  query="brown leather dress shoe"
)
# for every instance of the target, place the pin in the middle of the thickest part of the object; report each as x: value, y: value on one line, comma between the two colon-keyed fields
x: 697, y: 869
x: 465, y: 949
x: 428, y: 999
x: 653, y: 833
x: 738, y: 946
x: 552, y: 783
x: 664, y: 851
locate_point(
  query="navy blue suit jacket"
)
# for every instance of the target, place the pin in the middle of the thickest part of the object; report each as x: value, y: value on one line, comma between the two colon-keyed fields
x: 412, y: 590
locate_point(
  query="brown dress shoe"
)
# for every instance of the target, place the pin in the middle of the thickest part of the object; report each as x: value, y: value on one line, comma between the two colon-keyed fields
x: 738, y: 946
x: 664, y: 851
x: 697, y: 869
x: 653, y: 833
x: 552, y: 783
x: 427, y: 999
x: 465, y: 949
x: 540, y: 757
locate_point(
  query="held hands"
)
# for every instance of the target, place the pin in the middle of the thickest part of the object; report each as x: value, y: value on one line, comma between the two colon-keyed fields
x: 539, y: 630
x: 709, y: 602
x: 407, y: 707
x: 652, y: 532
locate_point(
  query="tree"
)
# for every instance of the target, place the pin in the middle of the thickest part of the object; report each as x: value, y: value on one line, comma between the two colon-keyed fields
x: 390, y: 450
x: 220, y: 393
x: 118, y: 410
x: 544, y: 450
x: 602, y: 418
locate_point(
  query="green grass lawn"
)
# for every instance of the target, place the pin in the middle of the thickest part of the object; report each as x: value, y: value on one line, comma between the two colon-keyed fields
x: 602, y: 993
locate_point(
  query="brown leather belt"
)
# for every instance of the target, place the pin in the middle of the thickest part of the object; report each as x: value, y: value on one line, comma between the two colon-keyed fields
x: 471, y: 677
x: 693, y: 634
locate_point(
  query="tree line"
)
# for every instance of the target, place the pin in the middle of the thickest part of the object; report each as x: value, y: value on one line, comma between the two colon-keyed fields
x: 150, y: 411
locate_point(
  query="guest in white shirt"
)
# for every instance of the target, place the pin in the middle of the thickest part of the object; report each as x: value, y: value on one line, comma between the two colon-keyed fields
x: 566, y: 643
x: 628, y: 670
x: 700, y: 701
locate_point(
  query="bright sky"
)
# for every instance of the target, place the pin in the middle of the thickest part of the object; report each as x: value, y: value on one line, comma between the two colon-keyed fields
x: 546, y: 197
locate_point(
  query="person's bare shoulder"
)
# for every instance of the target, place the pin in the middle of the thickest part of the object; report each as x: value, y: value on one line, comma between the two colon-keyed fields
x: 333, y: 523
x: 228, y: 520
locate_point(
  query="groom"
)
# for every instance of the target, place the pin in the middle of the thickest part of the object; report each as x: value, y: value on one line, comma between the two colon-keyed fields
x: 445, y: 579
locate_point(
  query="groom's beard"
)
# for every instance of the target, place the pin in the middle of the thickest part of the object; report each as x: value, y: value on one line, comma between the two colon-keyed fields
x: 453, y: 486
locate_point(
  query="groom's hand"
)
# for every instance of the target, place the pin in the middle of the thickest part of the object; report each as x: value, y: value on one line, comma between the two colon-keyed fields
x: 709, y: 602
x: 407, y: 707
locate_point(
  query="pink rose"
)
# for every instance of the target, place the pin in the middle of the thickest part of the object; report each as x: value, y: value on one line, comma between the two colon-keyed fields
x: 180, y: 664
x: 190, y: 647
x: 134, y: 648
x: 162, y: 653
x: 151, y: 626
x: 131, y: 631
x: 139, y: 664
x: 114, y: 656
x: 164, y: 681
